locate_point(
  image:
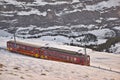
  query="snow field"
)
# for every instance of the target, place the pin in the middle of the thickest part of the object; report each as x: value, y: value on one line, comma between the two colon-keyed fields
x: 104, y: 66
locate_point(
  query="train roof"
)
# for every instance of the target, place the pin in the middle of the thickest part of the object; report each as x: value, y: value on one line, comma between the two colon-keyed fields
x: 25, y: 43
x: 64, y: 51
x: 49, y: 48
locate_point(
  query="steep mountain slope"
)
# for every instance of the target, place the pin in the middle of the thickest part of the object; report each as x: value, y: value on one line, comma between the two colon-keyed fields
x: 104, y: 66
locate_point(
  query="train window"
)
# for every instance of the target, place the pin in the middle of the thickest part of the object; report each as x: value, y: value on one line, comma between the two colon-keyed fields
x: 17, y: 46
x: 72, y: 59
x: 20, y: 46
x: 81, y: 60
x: 54, y: 54
x: 40, y: 52
x: 23, y: 47
x: 8, y: 44
x: 63, y: 56
x: 29, y: 48
x: 36, y: 51
x: 11, y: 45
x: 88, y: 58
x: 14, y: 45
x: 75, y: 59
x: 67, y: 57
x: 45, y: 52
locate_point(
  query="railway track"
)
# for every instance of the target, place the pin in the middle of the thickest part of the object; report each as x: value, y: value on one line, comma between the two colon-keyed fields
x: 105, y: 69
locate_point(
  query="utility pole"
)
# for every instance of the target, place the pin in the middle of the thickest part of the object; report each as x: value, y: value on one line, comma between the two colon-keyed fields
x: 15, y: 38
x: 14, y: 35
x: 13, y: 22
x: 85, y: 51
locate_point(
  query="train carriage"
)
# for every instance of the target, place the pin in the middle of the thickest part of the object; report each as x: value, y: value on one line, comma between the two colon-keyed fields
x: 48, y: 53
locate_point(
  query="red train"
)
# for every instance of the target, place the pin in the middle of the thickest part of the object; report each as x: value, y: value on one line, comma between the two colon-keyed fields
x: 48, y: 53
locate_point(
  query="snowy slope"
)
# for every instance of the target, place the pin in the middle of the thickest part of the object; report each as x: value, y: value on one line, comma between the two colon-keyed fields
x: 104, y: 4
x: 14, y: 66
x: 4, y: 33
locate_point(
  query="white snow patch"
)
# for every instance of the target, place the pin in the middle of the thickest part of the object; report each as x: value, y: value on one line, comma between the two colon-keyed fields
x: 102, y: 33
x: 4, y: 33
x: 98, y: 21
x: 91, y: 26
x: 115, y: 48
x: 61, y: 39
x: 33, y: 11
x: 101, y: 41
x: 111, y: 19
x: 74, y: 1
x: 103, y: 4
x: 41, y: 2
x: 50, y: 27
x: 117, y: 27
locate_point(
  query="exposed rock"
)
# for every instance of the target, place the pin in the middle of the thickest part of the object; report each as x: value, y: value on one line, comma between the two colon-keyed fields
x: 1, y: 65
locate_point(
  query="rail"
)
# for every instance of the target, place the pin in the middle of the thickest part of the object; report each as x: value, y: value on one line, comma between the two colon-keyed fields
x: 106, y: 69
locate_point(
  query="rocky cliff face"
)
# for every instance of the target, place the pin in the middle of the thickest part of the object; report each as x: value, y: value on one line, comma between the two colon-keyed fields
x: 68, y: 18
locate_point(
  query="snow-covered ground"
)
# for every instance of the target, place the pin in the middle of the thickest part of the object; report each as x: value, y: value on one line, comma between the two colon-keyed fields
x: 4, y: 33
x: 104, y: 66
x: 103, y: 4
x: 99, y: 6
x: 115, y: 48
x: 102, y: 33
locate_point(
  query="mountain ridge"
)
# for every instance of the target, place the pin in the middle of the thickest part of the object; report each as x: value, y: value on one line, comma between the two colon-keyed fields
x: 68, y: 19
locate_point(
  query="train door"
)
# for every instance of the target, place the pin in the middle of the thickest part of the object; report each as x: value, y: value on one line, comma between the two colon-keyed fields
x: 81, y: 60
x: 36, y: 53
x: 8, y: 45
x: 44, y: 53
x: 41, y: 53
x: 88, y: 60
x: 11, y: 46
